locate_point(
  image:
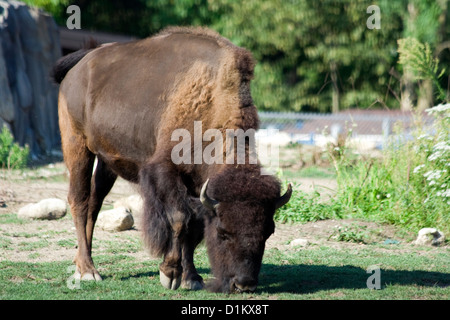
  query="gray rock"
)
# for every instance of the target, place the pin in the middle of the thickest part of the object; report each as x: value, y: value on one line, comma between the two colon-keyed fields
x: 117, y: 219
x: 430, y: 236
x: 6, y: 101
x: 29, y: 46
x: 47, y: 209
x: 134, y: 203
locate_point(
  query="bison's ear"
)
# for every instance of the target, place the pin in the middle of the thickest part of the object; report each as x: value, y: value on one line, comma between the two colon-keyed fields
x: 206, y: 200
x: 281, y: 201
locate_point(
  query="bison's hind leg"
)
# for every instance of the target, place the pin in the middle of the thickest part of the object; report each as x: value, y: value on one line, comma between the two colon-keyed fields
x: 80, y: 161
x: 101, y: 183
x: 86, y: 194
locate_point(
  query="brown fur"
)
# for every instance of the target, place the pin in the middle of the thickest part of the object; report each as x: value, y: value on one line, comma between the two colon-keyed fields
x: 121, y: 103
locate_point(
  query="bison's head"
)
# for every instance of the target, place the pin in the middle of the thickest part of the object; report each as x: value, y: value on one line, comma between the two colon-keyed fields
x: 236, y: 230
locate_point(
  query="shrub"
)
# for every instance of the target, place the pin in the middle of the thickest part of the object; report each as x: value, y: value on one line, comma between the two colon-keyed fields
x: 12, y: 156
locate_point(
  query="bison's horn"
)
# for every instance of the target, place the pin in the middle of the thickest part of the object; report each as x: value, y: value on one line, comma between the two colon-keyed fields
x: 207, y: 201
x: 284, y: 198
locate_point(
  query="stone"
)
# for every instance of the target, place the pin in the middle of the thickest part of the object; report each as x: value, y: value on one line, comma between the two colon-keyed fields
x: 47, y: 209
x: 299, y: 243
x: 117, y: 219
x: 134, y: 203
x: 29, y: 47
x: 430, y: 236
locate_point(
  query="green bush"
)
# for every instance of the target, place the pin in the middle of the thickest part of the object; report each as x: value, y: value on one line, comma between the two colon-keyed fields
x: 12, y: 156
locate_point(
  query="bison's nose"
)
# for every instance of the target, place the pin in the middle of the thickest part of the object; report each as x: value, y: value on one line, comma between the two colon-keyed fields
x: 245, y: 284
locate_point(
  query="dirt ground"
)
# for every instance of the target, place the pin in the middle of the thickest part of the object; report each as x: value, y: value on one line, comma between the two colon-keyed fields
x: 20, y: 188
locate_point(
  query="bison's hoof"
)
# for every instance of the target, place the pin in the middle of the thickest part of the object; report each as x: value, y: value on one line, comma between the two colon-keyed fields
x: 192, y: 284
x: 169, y: 283
x: 91, y: 277
x: 87, y: 276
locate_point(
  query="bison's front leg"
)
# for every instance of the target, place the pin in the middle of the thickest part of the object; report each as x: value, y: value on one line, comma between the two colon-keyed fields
x: 170, y: 270
x: 179, y: 260
x: 191, y: 279
x: 166, y: 216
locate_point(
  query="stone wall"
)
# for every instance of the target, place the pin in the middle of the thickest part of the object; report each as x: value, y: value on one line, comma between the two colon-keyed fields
x: 29, y: 46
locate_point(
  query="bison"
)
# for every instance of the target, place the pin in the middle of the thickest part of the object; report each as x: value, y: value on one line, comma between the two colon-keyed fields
x: 120, y: 103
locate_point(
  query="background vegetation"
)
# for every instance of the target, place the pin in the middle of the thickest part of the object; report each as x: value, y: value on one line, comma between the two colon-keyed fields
x: 409, y: 185
x: 312, y: 55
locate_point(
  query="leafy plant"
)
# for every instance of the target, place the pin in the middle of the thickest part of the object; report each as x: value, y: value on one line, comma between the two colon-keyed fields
x: 351, y: 233
x: 418, y: 58
x: 12, y: 156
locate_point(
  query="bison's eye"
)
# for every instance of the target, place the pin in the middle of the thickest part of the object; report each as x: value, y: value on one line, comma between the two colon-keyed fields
x: 223, y: 234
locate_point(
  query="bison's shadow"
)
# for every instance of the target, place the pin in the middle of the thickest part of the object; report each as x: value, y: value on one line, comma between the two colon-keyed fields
x: 311, y: 278
x: 303, y: 279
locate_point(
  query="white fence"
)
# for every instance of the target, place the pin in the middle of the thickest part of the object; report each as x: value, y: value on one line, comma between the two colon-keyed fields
x: 370, y: 129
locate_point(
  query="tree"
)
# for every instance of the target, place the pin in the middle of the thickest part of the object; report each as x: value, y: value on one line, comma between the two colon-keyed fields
x: 140, y: 18
x: 314, y: 54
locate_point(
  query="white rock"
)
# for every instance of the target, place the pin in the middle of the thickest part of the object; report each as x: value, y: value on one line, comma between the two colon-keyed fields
x: 117, y: 219
x: 47, y: 209
x: 430, y: 236
x: 299, y: 243
x: 134, y: 203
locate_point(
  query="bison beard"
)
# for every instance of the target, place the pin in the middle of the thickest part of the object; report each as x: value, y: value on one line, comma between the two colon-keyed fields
x: 120, y: 103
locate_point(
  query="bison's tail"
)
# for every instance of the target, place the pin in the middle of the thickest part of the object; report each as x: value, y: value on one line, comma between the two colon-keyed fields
x: 64, y: 64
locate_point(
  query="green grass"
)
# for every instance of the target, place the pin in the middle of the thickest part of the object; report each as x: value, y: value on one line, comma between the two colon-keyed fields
x: 11, y: 218
x: 326, y: 273
x: 313, y: 273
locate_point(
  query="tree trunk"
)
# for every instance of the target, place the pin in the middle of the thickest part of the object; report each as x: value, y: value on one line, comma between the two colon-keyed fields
x: 407, y: 91
x: 425, y: 99
x: 407, y: 82
x: 335, y: 92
